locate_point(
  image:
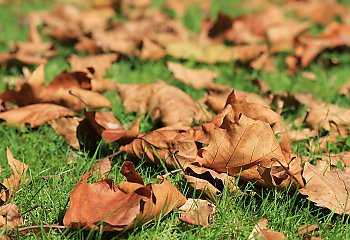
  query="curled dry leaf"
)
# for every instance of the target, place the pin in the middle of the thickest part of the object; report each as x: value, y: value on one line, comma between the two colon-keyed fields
x: 198, y: 78
x: 237, y: 146
x: 170, y: 145
x: 14, y: 182
x: 67, y: 127
x: 209, y: 181
x: 115, y: 208
x: 197, y: 212
x: 167, y: 103
x: 260, y: 231
x: 35, y: 114
x: 110, y: 129
x: 58, y: 91
x: 327, y: 188
x: 10, y: 216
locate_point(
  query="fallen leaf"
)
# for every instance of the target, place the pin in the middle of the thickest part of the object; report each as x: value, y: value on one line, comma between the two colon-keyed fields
x: 172, y: 146
x: 327, y: 188
x: 260, y: 231
x: 237, y: 146
x: 198, y: 78
x: 202, y: 53
x: 102, y: 167
x: 67, y: 127
x: 304, y: 134
x: 197, y: 212
x: 167, y: 103
x: 59, y: 91
x: 10, y: 216
x: 115, y: 208
x: 100, y: 63
x: 14, y: 182
x: 255, y: 111
x: 344, y: 89
x: 307, y: 229
x: 209, y: 181
x: 35, y: 114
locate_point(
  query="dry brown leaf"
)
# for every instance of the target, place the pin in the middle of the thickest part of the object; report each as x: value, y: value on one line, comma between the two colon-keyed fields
x: 309, y: 47
x: 329, y: 117
x: 100, y: 63
x: 202, y: 53
x: 304, y: 134
x: 35, y: 114
x: 102, y: 167
x: 170, y: 145
x: 197, y: 212
x: 327, y: 188
x: 307, y: 229
x: 218, y: 94
x: 14, y: 182
x: 252, y: 28
x: 58, y: 91
x: 67, y: 127
x: 151, y: 50
x: 240, y: 145
x: 109, y: 128
x: 318, y: 12
x: 334, y: 159
x: 282, y: 37
x: 260, y: 231
x: 10, y: 216
x: 162, y: 101
x: 255, y: 111
x: 209, y: 181
x: 198, y: 78
x: 115, y: 208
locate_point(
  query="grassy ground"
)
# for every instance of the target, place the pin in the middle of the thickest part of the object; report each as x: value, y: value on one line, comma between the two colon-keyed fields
x: 55, y: 168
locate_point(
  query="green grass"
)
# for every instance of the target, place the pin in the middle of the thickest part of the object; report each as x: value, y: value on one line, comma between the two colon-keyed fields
x: 43, y: 199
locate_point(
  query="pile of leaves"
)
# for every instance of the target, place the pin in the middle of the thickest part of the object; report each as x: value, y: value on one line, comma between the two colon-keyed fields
x: 226, y: 137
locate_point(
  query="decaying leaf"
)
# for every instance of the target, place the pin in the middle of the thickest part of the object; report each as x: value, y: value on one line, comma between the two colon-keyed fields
x: 115, y: 208
x: 14, y: 182
x: 260, y: 231
x: 327, y: 188
x: 198, y: 78
x: 35, y: 114
x: 161, y: 101
x: 197, y: 212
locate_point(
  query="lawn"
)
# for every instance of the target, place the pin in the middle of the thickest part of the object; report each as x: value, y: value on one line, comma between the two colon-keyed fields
x: 55, y: 167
